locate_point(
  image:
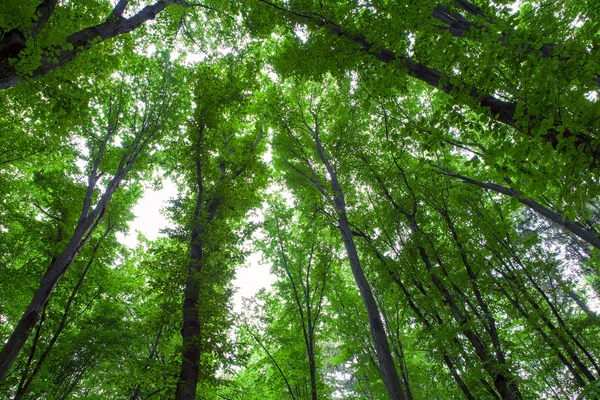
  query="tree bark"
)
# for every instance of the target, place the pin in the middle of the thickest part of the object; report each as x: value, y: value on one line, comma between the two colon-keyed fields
x: 190, y: 331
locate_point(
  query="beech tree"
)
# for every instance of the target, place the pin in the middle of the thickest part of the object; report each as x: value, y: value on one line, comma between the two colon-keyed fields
x: 420, y: 178
x: 143, y: 129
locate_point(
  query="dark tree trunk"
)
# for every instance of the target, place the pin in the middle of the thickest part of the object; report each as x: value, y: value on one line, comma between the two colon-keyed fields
x: 190, y: 331
x: 57, y: 269
x: 502, y: 111
x: 88, y: 221
x: 24, y: 386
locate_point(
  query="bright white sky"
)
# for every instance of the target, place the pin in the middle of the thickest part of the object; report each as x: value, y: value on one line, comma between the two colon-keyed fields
x: 250, y: 278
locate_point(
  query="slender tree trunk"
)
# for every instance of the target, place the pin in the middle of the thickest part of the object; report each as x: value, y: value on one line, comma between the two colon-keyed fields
x: 554, y: 331
x: 312, y: 366
x: 63, y: 322
x: 307, y: 320
x: 382, y: 348
x: 287, y: 383
x: 490, y: 321
x: 396, y: 345
x: 502, y: 382
x: 151, y: 355
x: 549, y: 340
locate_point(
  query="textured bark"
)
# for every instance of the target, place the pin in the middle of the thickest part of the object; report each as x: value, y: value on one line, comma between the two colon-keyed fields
x: 114, y: 26
x: 190, y: 331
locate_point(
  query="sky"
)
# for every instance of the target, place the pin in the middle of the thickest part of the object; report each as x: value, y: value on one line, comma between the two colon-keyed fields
x: 250, y: 278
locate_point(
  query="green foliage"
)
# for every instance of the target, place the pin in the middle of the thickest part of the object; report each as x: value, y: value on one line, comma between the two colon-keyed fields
x: 447, y: 196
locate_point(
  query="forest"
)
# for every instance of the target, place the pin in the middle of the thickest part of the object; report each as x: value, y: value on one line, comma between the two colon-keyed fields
x: 421, y: 178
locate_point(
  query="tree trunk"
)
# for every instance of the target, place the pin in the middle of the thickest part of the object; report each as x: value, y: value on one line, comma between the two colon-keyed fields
x: 22, y: 390
x: 382, y: 348
x: 56, y: 271
x: 190, y: 331
x: 87, y: 223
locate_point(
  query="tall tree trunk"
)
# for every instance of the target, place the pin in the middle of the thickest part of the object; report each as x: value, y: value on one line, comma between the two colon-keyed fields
x: 190, y: 331
x: 89, y: 219
x: 503, y: 384
x: 382, y: 348
x: 24, y: 386
x: 57, y: 269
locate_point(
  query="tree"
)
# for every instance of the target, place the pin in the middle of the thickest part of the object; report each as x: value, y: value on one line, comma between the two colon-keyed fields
x: 426, y: 176
x: 35, y: 45
x: 226, y: 178
x: 144, y: 128
x: 313, y: 127
x: 303, y: 275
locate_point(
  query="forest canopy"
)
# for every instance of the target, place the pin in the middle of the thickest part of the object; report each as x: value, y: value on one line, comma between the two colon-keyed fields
x: 420, y: 177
